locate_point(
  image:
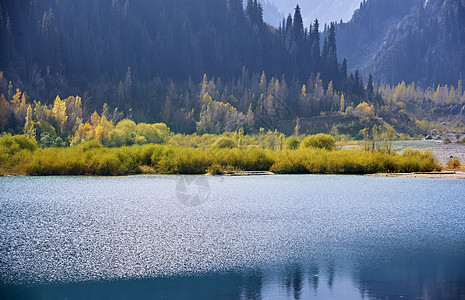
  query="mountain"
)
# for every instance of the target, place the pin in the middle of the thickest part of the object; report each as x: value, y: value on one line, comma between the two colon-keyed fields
x: 406, y: 40
x: 325, y: 11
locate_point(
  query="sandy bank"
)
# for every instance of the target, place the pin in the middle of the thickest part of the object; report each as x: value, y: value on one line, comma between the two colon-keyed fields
x: 434, y: 175
x: 246, y: 173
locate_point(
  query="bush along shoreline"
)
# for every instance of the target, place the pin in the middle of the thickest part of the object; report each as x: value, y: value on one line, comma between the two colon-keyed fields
x: 20, y: 155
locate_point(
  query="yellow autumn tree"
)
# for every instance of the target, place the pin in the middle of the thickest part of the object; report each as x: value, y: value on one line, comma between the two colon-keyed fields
x: 18, y: 105
x: 16, y: 99
x: 29, y: 129
x: 22, y: 109
x: 98, y: 133
x: 330, y: 90
x: 107, y: 127
x: 87, y: 131
x: 4, y: 112
x: 95, y: 119
x: 59, y: 113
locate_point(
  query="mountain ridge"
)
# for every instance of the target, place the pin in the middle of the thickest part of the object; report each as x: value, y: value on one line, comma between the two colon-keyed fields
x: 406, y: 40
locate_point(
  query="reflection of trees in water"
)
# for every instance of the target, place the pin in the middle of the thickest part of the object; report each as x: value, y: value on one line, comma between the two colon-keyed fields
x: 331, y: 269
x: 293, y: 281
x: 426, y: 278
x: 295, y: 276
x: 314, y: 276
x: 375, y: 277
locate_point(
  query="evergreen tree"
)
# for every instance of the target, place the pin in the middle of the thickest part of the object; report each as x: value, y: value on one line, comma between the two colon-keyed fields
x: 370, y: 89
x: 298, y: 27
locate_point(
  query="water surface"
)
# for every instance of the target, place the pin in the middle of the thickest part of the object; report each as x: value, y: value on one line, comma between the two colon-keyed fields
x: 285, y: 237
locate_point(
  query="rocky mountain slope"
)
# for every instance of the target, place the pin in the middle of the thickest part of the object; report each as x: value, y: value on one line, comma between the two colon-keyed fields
x: 406, y: 40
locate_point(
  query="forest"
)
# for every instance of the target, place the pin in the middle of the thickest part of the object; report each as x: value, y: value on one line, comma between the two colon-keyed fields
x: 200, y: 66
x: 196, y: 81
x: 48, y: 52
x: 213, y: 107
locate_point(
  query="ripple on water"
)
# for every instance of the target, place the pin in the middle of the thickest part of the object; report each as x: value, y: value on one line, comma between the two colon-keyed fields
x: 79, y: 229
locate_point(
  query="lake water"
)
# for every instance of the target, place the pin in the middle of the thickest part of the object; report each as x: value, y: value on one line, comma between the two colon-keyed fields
x: 198, y: 237
x: 442, y: 151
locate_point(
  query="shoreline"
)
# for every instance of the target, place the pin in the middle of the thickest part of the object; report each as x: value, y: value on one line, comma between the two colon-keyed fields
x: 460, y: 175
x: 428, y: 175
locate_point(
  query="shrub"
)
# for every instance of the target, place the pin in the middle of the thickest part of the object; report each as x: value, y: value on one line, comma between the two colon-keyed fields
x: 255, y: 160
x: 183, y: 161
x: 12, y: 144
x: 19, y: 155
x: 90, y: 145
x: 224, y: 142
x: 453, y: 163
x: 292, y: 143
x: 215, y: 169
x: 321, y: 141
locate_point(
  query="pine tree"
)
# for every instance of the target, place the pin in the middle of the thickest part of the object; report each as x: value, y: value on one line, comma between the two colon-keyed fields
x: 315, y: 46
x: 298, y: 27
x: 370, y: 89
x: 288, y: 39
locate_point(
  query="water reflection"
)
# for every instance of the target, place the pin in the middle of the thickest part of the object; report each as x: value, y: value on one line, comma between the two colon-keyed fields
x: 277, y: 237
x: 425, y: 277
x: 293, y: 281
x: 314, y: 277
x: 422, y: 279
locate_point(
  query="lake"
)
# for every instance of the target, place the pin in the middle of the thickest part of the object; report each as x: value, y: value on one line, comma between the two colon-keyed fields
x: 442, y: 151
x: 199, y: 237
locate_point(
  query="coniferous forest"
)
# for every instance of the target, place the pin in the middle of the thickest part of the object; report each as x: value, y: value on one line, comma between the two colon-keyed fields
x: 204, y: 66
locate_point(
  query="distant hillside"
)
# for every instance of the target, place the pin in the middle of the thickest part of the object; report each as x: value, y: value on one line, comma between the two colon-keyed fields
x: 406, y: 40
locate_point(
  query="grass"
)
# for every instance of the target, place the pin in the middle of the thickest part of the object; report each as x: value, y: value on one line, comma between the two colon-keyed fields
x: 20, y: 156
